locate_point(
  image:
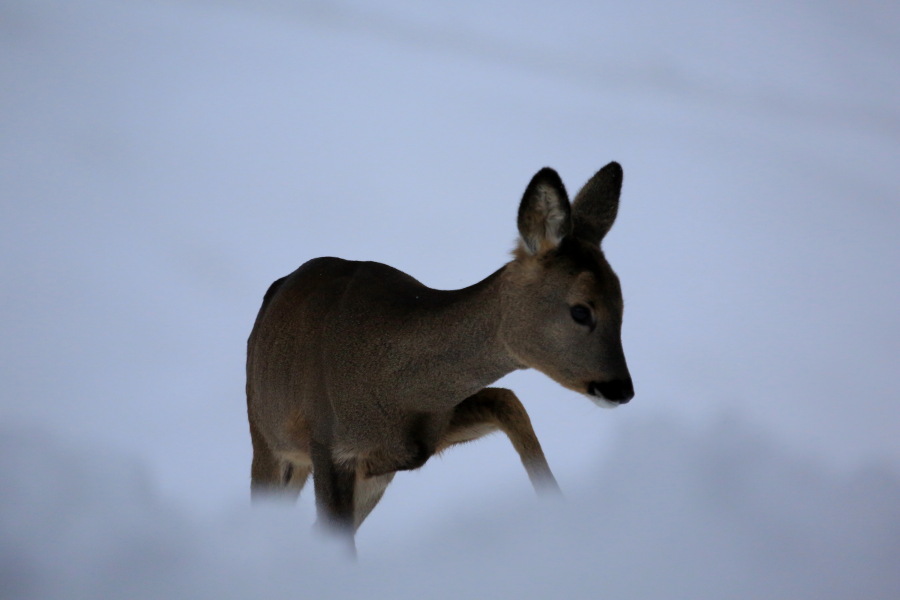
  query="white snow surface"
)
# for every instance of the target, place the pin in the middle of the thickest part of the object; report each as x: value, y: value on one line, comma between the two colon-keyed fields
x: 162, y: 162
x: 717, y: 513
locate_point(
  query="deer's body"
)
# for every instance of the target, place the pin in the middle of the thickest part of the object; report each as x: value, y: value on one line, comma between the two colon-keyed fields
x: 355, y: 370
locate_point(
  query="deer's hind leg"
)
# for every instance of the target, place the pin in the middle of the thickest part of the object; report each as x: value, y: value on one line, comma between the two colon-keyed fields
x: 493, y: 409
x: 295, y: 470
x: 272, y: 475
x: 265, y: 470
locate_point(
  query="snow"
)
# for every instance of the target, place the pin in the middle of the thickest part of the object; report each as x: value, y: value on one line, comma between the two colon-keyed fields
x: 721, y: 512
x: 163, y: 162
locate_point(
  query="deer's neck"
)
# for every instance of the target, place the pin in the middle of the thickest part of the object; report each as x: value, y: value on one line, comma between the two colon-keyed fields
x: 460, y: 349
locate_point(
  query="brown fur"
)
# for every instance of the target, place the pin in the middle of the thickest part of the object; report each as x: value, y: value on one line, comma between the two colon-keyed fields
x: 355, y: 370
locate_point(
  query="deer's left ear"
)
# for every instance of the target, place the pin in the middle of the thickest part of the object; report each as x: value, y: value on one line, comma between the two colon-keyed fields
x: 595, y: 207
x: 545, y: 216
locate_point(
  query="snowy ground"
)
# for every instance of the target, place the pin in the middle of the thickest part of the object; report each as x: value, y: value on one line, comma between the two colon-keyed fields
x: 162, y: 162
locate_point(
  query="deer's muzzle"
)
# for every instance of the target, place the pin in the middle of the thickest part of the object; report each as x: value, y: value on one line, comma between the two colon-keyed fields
x: 618, y: 391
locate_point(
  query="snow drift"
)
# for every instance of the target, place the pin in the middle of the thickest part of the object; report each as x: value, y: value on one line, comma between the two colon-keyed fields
x: 673, y: 514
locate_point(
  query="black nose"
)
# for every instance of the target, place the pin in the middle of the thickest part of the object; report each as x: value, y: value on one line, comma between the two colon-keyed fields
x: 619, y: 391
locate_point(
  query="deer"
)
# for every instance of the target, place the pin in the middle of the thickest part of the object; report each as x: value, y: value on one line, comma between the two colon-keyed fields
x: 356, y: 370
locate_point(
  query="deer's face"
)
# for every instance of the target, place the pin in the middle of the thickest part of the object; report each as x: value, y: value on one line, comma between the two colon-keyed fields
x: 562, y: 301
x: 564, y: 318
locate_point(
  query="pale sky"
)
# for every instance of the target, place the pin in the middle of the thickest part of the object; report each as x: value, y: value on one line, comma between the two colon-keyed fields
x: 163, y: 162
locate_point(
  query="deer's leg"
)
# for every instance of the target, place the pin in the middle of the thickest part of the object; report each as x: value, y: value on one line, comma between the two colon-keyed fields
x: 271, y: 476
x: 367, y: 493
x: 334, y: 486
x: 294, y: 473
x: 265, y: 470
x: 414, y: 446
x: 494, y: 409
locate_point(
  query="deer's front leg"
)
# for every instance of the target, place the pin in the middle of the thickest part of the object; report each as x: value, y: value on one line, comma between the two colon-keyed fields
x: 414, y: 443
x: 498, y: 408
x: 334, y: 487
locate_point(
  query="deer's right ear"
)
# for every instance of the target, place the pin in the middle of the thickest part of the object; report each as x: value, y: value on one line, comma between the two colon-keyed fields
x: 597, y: 203
x: 545, y: 216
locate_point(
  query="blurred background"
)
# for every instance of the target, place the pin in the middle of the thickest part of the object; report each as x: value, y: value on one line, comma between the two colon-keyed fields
x: 163, y: 161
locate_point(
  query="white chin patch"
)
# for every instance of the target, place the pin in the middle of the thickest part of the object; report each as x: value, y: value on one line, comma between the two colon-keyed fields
x: 602, y: 402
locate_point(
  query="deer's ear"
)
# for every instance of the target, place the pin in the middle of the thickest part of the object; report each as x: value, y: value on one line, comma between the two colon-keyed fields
x: 595, y: 207
x: 545, y: 216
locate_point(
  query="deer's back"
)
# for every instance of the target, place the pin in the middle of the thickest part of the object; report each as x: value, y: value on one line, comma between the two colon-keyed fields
x: 331, y: 338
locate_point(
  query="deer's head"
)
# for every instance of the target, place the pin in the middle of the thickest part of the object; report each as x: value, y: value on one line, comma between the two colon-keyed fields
x: 562, y: 303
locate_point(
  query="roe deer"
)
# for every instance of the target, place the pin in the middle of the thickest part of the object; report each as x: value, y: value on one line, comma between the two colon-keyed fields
x: 355, y: 370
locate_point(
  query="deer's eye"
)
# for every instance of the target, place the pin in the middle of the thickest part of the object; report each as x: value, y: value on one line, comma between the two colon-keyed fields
x: 582, y: 315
